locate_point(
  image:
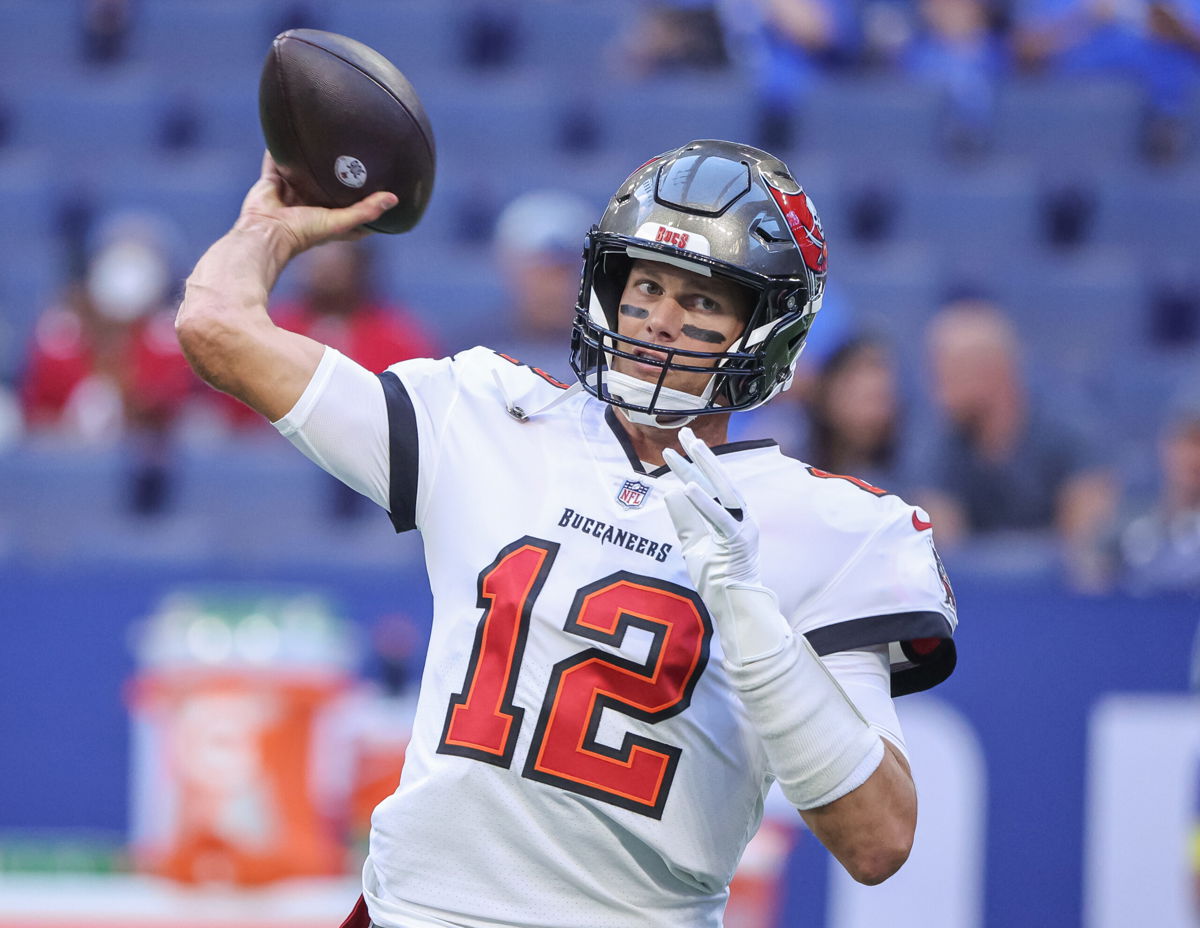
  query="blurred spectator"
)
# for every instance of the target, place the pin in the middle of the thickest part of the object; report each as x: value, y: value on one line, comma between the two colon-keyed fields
x: 1159, y: 549
x: 854, y: 414
x: 338, y: 305
x: 673, y: 35
x: 888, y: 28
x: 1003, y: 457
x: 106, y: 26
x: 1156, y: 44
x: 105, y: 363
x: 538, y: 245
x: 104, y: 359
x: 786, y: 45
x: 786, y: 418
x: 957, y: 52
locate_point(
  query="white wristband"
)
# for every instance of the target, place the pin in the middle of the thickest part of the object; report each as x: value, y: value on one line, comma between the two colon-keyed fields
x: 818, y: 745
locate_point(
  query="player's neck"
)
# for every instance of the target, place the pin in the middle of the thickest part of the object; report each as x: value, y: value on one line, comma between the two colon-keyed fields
x: 649, y: 441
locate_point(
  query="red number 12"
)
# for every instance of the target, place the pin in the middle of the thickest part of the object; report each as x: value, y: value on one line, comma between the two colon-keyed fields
x: 482, y: 722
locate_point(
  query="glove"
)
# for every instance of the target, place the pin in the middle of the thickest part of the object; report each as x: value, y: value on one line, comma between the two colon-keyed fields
x: 719, y: 542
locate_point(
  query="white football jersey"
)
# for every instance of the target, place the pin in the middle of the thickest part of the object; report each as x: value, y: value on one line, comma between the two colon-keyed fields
x: 579, y: 758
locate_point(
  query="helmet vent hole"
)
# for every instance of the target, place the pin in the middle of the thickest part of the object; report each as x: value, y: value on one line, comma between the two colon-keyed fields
x: 763, y: 233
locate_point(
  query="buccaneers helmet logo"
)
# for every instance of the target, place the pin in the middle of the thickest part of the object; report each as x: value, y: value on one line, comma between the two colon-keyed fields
x: 806, y: 228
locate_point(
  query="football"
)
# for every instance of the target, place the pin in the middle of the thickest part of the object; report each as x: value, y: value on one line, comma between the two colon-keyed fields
x: 342, y: 122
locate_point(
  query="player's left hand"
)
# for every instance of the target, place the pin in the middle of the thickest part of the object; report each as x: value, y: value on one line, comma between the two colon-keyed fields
x: 719, y: 541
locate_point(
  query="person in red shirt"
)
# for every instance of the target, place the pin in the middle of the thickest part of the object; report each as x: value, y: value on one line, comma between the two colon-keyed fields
x: 338, y: 305
x: 104, y: 360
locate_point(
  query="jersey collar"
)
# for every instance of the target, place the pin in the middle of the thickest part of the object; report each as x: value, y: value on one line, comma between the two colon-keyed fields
x: 610, y: 418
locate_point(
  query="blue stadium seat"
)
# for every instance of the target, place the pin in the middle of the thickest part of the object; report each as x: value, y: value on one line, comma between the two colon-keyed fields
x: 1148, y: 383
x: 415, y: 35
x: 1065, y: 125
x: 1079, y: 313
x: 69, y: 119
x: 638, y: 121
x: 38, y: 38
x: 226, y: 115
x: 1150, y: 213
x: 972, y: 215
x: 572, y: 41
x: 457, y: 291
x: 496, y: 121
x: 29, y: 281
x: 893, y: 289
x: 201, y: 194
x: 197, y: 39
x: 29, y: 190
x: 871, y: 122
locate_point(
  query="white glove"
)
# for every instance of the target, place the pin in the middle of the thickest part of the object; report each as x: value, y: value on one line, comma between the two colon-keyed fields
x: 719, y: 542
x: 818, y: 745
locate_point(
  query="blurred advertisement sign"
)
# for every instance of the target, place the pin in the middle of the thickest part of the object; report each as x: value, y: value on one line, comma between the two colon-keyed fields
x: 233, y: 759
x: 941, y: 885
x: 1144, y: 770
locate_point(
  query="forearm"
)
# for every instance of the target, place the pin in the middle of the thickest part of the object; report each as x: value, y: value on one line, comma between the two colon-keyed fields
x: 851, y: 785
x: 870, y: 829
x: 227, y: 293
x: 224, y: 328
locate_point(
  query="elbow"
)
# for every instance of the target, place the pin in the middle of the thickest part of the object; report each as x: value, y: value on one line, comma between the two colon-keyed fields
x: 879, y: 862
x: 205, y: 337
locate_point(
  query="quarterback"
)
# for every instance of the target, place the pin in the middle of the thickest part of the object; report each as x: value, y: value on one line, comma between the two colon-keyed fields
x: 638, y: 627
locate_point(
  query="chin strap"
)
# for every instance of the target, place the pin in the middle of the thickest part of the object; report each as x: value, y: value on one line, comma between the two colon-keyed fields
x: 632, y: 390
x: 655, y: 421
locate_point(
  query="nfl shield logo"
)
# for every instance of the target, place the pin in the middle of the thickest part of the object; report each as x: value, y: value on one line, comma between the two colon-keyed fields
x: 633, y: 494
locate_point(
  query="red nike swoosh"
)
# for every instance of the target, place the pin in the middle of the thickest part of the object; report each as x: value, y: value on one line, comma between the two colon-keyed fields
x: 919, y: 525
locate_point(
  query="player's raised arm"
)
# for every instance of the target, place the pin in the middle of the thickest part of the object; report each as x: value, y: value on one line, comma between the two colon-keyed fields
x: 223, y: 325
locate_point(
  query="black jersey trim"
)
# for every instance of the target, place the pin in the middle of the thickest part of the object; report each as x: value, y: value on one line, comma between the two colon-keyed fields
x: 404, y: 455
x: 610, y: 416
x: 922, y: 668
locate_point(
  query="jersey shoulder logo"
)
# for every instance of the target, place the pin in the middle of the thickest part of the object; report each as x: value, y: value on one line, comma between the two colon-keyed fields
x: 633, y: 494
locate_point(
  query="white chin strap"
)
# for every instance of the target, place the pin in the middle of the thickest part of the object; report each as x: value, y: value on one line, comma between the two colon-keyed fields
x: 630, y: 389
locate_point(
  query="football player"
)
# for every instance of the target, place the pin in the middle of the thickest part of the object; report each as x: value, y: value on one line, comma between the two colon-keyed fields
x: 638, y: 627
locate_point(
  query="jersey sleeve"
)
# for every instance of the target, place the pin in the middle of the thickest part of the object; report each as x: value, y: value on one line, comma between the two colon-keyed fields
x: 340, y: 423
x: 376, y: 433
x: 892, y: 591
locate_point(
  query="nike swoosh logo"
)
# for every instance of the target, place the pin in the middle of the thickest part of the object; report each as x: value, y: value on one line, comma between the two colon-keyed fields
x: 919, y: 525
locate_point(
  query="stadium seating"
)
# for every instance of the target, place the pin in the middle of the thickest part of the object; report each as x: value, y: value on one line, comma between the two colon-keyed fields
x: 174, y: 127
x: 190, y: 41
x: 1068, y: 126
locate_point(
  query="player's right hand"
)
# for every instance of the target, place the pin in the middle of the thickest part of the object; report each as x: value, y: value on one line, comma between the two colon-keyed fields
x: 272, y: 203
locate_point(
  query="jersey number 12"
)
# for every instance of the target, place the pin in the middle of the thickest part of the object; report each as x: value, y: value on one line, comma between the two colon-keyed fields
x: 482, y: 722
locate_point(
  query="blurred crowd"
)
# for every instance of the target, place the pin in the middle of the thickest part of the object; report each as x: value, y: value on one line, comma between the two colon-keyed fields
x: 988, y: 456
x: 965, y: 48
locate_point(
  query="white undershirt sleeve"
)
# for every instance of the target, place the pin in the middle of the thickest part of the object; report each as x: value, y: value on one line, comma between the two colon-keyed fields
x: 864, y: 674
x: 341, y: 423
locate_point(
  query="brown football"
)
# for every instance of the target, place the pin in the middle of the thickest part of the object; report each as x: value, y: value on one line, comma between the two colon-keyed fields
x: 342, y: 122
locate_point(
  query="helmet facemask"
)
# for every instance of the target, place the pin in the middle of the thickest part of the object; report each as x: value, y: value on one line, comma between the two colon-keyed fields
x: 757, y: 366
x: 719, y: 210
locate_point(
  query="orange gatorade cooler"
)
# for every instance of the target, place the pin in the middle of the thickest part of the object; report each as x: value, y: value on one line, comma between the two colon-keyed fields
x: 235, y: 773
